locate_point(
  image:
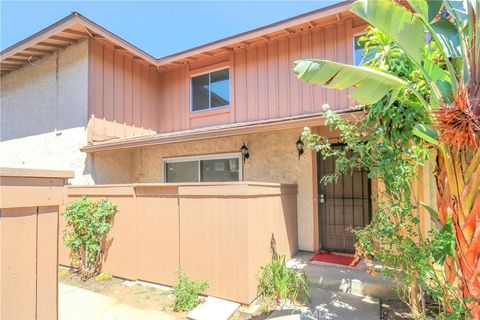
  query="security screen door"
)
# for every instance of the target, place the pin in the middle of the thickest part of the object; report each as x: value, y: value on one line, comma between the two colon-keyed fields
x: 342, y: 205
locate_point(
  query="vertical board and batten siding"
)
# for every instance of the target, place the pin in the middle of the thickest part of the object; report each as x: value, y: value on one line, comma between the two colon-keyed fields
x: 129, y: 97
x: 124, y: 93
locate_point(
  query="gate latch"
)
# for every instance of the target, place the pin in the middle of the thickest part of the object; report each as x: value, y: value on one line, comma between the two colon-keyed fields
x: 322, y: 198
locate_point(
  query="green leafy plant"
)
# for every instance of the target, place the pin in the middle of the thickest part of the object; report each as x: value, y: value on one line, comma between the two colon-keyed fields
x: 63, y: 274
x: 383, y: 140
x: 278, y: 284
x: 103, y: 277
x: 450, y: 122
x: 88, y: 222
x: 186, y: 292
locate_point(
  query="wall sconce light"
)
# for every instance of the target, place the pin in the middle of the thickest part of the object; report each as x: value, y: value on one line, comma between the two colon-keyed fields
x: 245, y: 153
x: 299, y: 145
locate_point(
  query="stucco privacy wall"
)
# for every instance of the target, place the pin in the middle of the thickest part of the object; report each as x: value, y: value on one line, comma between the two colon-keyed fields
x: 43, y: 114
x: 273, y: 158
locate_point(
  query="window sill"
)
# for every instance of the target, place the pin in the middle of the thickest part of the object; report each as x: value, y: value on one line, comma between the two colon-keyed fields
x: 209, y: 112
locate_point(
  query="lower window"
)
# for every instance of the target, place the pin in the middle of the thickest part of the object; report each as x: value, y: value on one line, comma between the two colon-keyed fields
x: 214, y: 168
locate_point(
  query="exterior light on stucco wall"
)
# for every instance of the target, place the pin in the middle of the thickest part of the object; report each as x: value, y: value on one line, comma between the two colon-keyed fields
x: 245, y: 153
x: 299, y: 145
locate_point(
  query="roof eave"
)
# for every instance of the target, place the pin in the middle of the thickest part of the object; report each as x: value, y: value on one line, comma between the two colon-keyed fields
x: 76, y: 18
x: 284, y: 24
x: 311, y: 120
x: 116, y: 39
x: 45, y: 33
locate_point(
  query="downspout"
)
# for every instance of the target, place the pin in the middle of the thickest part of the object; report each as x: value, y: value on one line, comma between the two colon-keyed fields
x: 56, y: 95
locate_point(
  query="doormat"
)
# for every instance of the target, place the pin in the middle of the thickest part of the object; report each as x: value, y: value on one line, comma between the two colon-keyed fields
x: 330, y: 257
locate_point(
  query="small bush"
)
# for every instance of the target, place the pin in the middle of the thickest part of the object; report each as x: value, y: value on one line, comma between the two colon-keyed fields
x: 63, y: 273
x: 103, y: 277
x: 278, y: 283
x: 186, y: 292
x: 88, y: 222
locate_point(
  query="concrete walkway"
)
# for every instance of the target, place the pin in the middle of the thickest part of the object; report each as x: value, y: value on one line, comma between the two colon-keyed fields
x: 346, y: 279
x: 332, y: 305
x: 337, y: 292
x: 80, y: 304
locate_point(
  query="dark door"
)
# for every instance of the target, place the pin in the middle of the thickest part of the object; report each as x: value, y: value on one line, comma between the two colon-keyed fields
x: 342, y: 205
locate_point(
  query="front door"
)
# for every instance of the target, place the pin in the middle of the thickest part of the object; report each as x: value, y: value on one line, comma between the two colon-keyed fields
x: 342, y: 205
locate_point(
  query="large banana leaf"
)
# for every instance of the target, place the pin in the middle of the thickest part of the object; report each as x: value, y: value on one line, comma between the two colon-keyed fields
x: 396, y: 22
x: 426, y: 132
x: 408, y: 28
x: 447, y: 35
x: 445, y: 31
x: 427, y: 8
x: 458, y: 9
x: 370, y: 85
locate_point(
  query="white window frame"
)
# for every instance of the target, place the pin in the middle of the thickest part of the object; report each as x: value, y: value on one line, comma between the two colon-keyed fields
x: 362, y: 33
x: 223, y: 156
x: 193, y: 75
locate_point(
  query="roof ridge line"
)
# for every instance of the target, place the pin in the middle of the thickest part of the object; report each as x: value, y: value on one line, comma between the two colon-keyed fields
x: 76, y: 17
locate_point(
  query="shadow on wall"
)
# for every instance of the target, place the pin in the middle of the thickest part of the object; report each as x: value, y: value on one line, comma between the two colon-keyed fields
x: 291, y: 223
x: 105, y: 246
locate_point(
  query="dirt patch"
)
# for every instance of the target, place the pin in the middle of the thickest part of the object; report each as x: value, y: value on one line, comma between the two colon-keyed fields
x: 244, y: 314
x: 138, y: 296
x: 394, y: 310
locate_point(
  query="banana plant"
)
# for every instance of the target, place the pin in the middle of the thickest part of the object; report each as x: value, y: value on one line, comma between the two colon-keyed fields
x: 453, y: 108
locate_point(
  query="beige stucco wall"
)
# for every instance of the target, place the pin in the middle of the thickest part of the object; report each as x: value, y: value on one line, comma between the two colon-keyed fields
x: 114, y: 167
x: 43, y: 114
x: 273, y: 158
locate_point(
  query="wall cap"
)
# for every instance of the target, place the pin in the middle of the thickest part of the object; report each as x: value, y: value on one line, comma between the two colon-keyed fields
x: 36, y: 173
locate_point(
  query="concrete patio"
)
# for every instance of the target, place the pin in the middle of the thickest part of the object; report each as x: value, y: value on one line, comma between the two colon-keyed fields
x: 352, y: 280
x: 326, y: 304
x: 338, y: 292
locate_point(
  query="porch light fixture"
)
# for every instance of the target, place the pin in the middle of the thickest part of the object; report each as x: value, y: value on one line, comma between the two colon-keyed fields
x: 245, y: 153
x: 299, y: 145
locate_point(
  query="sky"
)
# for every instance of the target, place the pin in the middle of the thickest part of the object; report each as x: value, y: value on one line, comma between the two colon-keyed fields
x: 159, y: 28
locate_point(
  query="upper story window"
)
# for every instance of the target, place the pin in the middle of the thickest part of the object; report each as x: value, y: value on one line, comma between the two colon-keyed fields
x: 210, y: 90
x: 359, y: 50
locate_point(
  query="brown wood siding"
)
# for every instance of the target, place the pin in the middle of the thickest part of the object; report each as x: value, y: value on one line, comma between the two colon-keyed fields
x: 124, y: 99
x: 132, y: 98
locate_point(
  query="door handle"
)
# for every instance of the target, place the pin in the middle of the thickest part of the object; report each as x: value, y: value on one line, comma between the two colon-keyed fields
x: 322, y: 198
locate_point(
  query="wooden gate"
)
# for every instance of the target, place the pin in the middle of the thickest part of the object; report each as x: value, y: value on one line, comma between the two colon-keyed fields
x: 29, y: 207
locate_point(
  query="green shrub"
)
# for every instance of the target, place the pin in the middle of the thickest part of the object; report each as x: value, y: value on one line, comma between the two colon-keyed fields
x: 63, y: 274
x: 103, y: 277
x: 186, y: 292
x: 278, y: 283
x: 88, y: 222
x: 383, y: 141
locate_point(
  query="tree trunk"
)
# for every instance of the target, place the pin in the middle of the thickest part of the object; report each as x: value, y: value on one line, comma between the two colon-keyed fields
x: 458, y: 197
